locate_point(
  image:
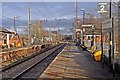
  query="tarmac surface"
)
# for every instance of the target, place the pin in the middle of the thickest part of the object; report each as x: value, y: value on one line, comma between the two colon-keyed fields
x: 73, y: 62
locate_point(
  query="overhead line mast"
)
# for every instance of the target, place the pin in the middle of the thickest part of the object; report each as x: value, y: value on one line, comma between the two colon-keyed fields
x: 29, y: 24
x: 76, y: 11
x: 76, y: 19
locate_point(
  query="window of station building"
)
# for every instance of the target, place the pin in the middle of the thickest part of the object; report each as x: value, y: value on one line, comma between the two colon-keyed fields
x: 89, y: 37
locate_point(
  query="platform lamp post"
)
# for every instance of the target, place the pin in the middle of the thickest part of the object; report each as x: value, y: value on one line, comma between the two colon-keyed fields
x: 40, y: 22
x: 15, y: 29
x: 93, y: 27
x: 15, y: 17
x: 83, y: 11
x: 83, y: 35
x: 77, y: 36
x: 34, y: 36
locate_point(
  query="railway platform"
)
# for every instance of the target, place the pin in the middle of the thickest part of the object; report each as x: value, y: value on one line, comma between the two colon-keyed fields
x: 73, y: 62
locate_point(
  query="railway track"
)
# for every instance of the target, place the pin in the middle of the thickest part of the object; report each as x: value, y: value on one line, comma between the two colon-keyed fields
x: 23, y: 70
x: 26, y: 58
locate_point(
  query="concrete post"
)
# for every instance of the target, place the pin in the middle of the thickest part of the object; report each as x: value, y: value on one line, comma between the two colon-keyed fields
x: 8, y: 43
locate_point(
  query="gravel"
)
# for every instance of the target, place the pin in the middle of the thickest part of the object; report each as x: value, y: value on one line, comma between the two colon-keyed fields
x: 12, y: 72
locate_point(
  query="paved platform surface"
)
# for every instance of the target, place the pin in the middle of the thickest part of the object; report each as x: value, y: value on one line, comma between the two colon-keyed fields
x: 75, y: 63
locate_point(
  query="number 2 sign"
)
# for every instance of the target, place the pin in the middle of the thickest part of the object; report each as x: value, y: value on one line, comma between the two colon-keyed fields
x: 102, y: 7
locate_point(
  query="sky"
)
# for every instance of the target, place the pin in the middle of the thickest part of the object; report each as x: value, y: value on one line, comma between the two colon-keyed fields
x: 58, y: 0
x: 44, y: 10
x: 49, y: 10
x: 0, y: 13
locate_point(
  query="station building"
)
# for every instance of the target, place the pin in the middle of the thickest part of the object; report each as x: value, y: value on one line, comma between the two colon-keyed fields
x: 8, y: 39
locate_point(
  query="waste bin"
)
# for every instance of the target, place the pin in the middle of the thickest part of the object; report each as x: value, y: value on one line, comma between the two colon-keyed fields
x: 97, y: 55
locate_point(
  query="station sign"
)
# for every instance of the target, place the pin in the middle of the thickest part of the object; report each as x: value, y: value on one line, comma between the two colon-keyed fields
x: 77, y: 30
x: 102, y: 7
x: 89, y: 25
x: 107, y: 24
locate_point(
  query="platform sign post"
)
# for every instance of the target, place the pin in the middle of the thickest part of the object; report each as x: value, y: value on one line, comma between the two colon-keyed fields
x: 109, y: 24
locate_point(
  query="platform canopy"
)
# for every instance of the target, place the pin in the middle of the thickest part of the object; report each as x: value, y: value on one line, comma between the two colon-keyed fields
x: 3, y: 30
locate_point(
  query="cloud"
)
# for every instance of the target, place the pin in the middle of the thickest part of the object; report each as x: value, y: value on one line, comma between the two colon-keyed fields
x: 54, y: 28
x: 20, y: 29
x: 66, y: 17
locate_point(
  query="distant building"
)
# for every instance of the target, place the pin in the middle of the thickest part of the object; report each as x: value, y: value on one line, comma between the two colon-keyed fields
x: 8, y: 39
x: 4, y: 39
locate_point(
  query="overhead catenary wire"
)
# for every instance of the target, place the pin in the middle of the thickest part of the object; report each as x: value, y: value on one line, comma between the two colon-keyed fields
x: 46, y: 8
x: 13, y: 18
x: 20, y: 10
x: 40, y: 12
x: 23, y: 11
